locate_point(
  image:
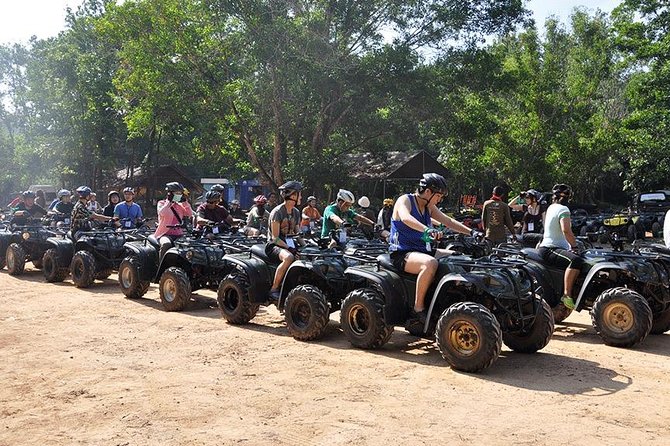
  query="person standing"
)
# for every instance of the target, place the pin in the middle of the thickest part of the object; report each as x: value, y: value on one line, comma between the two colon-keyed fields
x: 496, y: 217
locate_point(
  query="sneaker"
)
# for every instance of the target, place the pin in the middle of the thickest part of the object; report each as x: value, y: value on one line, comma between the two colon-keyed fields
x: 274, y: 296
x: 419, y: 316
x: 568, y: 302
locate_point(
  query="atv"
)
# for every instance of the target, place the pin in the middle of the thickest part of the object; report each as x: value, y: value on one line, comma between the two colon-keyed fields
x: 34, y: 242
x: 312, y: 288
x: 618, y: 288
x: 194, y: 262
x: 474, y: 306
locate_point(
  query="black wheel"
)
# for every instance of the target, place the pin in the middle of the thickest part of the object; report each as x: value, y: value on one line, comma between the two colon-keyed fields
x: 82, y: 268
x: 362, y: 319
x: 661, y: 322
x: 560, y: 313
x: 3, y: 261
x: 621, y: 317
x: 537, y: 336
x: 175, y: 289
x: 603, y: 237
x: 233, y: 299
x: 468, y: 336
x: 656, y: 229
x: 16, y: 259
x: 129, y: 278
x: 306, y: 312
x: 104, y: 273
x: 51, y: 268
x: 37, y: 263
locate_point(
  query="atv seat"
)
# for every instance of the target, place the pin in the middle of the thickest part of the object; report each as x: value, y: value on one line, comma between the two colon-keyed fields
x: 259, y: 251
x: 154, y: 241
x: 386, y: 263
x: 532, y: 254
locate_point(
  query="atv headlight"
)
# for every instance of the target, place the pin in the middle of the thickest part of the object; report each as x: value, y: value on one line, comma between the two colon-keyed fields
x: 25, y: 235
x: 189, y: 255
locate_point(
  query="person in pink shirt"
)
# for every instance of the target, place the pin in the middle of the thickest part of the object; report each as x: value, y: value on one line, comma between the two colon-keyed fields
x: 171, y: 212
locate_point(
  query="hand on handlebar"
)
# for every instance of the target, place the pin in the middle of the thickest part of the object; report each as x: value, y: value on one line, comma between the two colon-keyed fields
x: 476, y: 234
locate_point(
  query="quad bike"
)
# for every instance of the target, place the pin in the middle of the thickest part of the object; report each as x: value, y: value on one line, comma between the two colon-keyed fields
x: 474, y: 305
x: 312, y: 288
x: 194, y: 262
x: 34, y: 242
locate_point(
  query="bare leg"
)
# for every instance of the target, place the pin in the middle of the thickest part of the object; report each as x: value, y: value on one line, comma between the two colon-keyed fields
x: 424, y: 266
x: 286, y: 259
x: 569, y: 278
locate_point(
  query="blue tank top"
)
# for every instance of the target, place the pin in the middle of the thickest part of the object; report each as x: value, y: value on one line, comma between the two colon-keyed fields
x: 404, y: 238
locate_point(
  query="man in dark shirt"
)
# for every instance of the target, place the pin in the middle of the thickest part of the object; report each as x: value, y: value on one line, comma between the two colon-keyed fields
x: 210, y: 211
x: 496, y: 217
x: 62, y: 210
x: 27, y: 209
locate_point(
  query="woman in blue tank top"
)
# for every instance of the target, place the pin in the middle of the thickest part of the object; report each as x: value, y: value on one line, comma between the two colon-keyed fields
x: 412, y: 230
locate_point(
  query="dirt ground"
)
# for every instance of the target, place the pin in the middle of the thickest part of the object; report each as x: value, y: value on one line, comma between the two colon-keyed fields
x: 91, y: 367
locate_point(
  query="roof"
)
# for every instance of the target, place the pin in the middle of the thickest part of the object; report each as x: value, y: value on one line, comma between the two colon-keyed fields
x: 394, y: 165
x: 158, y: 177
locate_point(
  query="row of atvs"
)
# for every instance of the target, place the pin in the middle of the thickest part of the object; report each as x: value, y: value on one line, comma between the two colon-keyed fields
x: 481, y: 297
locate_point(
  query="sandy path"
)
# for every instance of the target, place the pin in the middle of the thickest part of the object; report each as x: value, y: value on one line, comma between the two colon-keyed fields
x: 91, y: 367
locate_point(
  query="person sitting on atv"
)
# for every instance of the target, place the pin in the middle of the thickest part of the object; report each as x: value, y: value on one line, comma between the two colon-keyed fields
x: 27, y: 209
x: 496, y: 216
x: 113, y: 198
x: 221, y: 190
x: 310, y: 215
x: 171, y: 212
x: 340, y: 212
x: 236, y: 211
x: 62, y: 211
x: 82, y: 215
x: 533, y: 212
x: 384, y: 218
x: 284, y: 224
x: 258, y: 217
x: 412, y: 232
x: 666, y: 229
x: 559, y: 244
x: 210, y: 213
x: 128, y: 212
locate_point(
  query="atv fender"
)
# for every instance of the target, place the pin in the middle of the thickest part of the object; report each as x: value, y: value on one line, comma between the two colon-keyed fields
x: 391, y: 285
x: 453, y: 279
x: 5, y: 241
x: 64, y: 249
x: 172, y: 258
x: 589, y: 277
x: 291, y: 278
x: 147, y: 256
x: 259, y: 274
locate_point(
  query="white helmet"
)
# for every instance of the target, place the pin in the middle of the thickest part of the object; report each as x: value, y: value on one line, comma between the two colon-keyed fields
x: 345, y: 196
x: 364, y: 202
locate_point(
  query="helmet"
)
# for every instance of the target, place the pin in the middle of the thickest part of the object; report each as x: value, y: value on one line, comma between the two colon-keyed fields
x: 311, y: 197
x: 562, y: 190
x: 433, y: 181
x: 174, y: 187
x: 237, y: 202
x: 388, y: 201
x: 364, y: 202
x: 212, y: 195
x: 113, y: 192
x: 260, y: 199
x: 289, y: 188
x: 28, y: 194
x: 531, y: 193
x: 345, y: 196
x: 217, y: 188
x: 83, y: 191
x: 129, y: 189
x: 63, y: 193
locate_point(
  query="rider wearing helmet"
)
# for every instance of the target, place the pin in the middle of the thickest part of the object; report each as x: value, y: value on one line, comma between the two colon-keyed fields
x: 559, y: 244
x: 496, y: 216
x: 129, y: 213
x: 257, y: 219
x: 64, y: 205
x: 384, y: 216
x: 210, y: 212
x: 236, y: 211
x: 113, y: 198
x: 27, y: 209
x: 340, y: 212
x: 412, y: 230
x: 284, y: 224
x: 81, y: 215
x: 221, y: 190
x: 310, y: 215
x: 171, y: 212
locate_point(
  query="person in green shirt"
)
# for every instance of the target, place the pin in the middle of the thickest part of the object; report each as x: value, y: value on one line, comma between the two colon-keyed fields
x: 340, y: 212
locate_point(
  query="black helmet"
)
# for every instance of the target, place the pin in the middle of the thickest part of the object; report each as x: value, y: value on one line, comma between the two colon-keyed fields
x: 218, y: 188
x: 212, y: 195
x: 434, y: 182
x: 83, y: 191
x: 289, y: 188
x: 562, y: 190
x: 531, y: 193
x: 28, y: 194
x: 174, y: 187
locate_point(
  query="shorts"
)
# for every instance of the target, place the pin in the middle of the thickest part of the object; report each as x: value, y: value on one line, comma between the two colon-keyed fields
x: 561, y: 257
x: 399, y: 258
x: 273, y: 251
